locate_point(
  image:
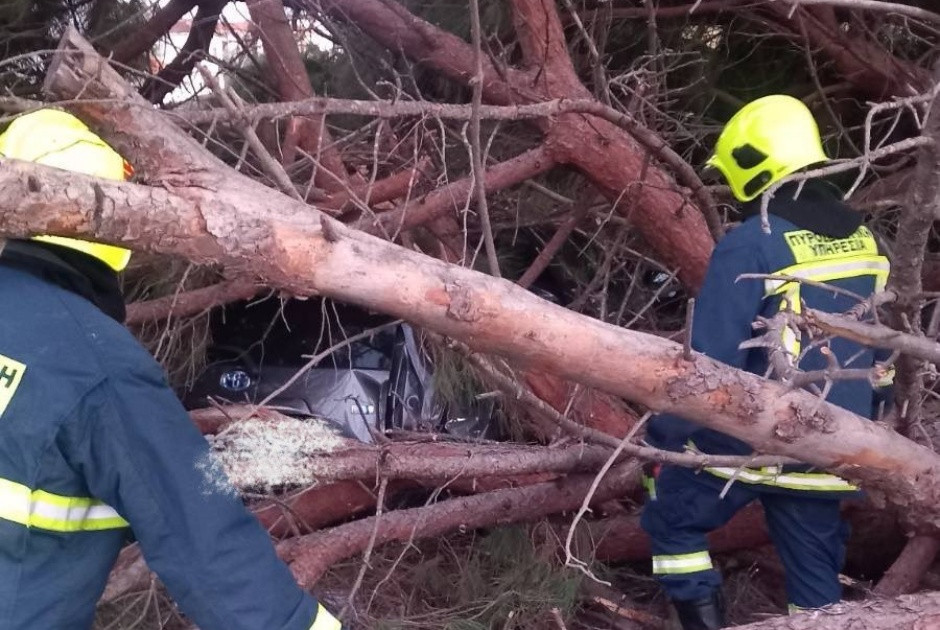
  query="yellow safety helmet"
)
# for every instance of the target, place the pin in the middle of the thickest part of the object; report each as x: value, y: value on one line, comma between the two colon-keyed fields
x: 55, y: 138
x: 764, y: 142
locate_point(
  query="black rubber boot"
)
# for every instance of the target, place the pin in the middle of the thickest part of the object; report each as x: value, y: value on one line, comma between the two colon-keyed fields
x: 701, y: 614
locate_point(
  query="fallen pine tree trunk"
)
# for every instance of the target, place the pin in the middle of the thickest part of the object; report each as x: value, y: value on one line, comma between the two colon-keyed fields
x: 214, y: 214
x: 907, y: 612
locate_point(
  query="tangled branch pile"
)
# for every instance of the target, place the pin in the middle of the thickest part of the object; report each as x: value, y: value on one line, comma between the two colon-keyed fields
x: 455, y: 185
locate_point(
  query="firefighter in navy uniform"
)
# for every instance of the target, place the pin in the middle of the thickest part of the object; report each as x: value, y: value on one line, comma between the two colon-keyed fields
x: 94, y: 445
x: 814, y: 236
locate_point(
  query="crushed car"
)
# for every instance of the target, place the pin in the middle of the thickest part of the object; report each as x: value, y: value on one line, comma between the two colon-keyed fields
x: 379, y: 383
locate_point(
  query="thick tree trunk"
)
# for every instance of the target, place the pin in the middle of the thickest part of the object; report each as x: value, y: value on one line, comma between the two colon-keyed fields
x: 908, y: 612
x: 243, y: 224
x: 907, y: 266
x: 241, y: 227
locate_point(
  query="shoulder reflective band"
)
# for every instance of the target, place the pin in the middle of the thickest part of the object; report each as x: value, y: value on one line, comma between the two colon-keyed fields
x: 682, y: 563
x: 325, y: 621
x: 824, y: 271
x: 838, y: 269
x: 54, y: 512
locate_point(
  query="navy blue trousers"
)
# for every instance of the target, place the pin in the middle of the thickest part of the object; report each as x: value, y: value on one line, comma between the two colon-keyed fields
x: 808, y: 533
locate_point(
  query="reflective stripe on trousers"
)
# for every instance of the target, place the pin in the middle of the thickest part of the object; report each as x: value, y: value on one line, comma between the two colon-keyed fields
x: 682, y: 563
x: 55, y: 512
x: 325, y: 621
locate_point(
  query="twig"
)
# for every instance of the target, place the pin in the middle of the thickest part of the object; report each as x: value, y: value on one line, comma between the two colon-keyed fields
x: 685, y: 173
x: 570, y: 560
x: 379, y: 507
x: 181, y: 304
x: 813, y: 283
x: 687, y: 338
x: 839, y: 166
x: 476, y: 151
x: 873, y: 5
x: 232, y: 103
x: 688, y: 459
x: 556, y: 615
x: 600, y: 77
x: 869, y: 117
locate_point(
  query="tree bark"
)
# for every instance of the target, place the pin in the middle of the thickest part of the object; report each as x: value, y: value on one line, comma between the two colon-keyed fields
x: 905, y: 574
x: 621, y: 539
x: 913, y: 233
x: 248, y: 226
x: 590, y: 408
x: 908, y: 612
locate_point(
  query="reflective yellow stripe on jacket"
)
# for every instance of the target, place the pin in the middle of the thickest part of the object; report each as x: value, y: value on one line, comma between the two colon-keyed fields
x: 776, y: 477
x: 826, y: 271
x: 772, y: 476
x: 821, y: 271
x: 54, y: 512
x: 325, y: 621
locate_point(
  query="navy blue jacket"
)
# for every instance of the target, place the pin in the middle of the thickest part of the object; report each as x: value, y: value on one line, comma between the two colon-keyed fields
x: 92, y: 440
x: 847, y: 257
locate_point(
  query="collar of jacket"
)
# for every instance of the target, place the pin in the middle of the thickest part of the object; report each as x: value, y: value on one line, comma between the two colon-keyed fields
x: 68, y: 269
x: 817, y: 207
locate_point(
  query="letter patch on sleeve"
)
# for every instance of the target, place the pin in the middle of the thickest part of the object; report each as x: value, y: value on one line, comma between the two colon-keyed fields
x: 11, y: 373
